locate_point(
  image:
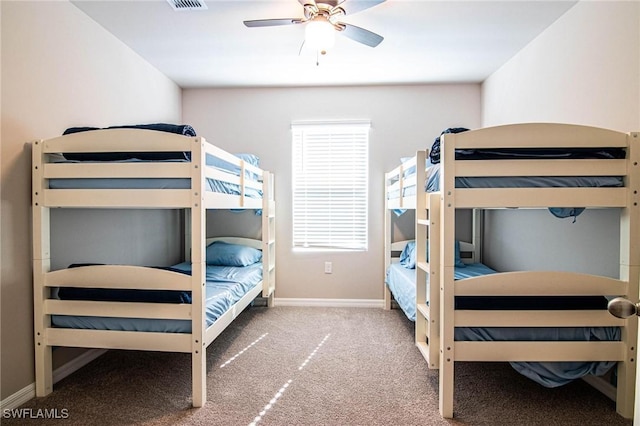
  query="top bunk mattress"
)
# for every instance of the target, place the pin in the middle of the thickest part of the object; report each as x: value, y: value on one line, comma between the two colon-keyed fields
x: 433, y: 181
x: 212, y: 185
x: 433, y: 170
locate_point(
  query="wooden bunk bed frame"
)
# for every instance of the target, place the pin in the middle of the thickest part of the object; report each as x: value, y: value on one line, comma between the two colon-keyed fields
x: 537, y: 283
x: 427, y: 231
x: 194, y: 201
x: 427, y: 316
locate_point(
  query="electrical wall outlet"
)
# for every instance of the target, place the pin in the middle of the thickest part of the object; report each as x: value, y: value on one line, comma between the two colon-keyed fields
x: 327, y: 267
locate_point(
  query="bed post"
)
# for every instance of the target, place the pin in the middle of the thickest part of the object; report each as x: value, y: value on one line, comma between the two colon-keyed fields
x: 198, y: 282
x: 630, y: 272
x: 268, y: 239
x: 387, y: 244
x: 41, y: 265
x: 447, y: 237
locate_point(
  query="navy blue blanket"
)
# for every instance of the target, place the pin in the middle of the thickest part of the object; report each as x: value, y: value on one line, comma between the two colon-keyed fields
x: 125, y: 295
x: 530, y: 153
x: 184, y: 129
x: 181, y: 129
x: 530, y: 302
x: 523, y: 153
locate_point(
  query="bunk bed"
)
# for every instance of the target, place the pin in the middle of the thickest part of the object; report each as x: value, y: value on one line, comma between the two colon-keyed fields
x: 178, y: 308
x: 477, y: 171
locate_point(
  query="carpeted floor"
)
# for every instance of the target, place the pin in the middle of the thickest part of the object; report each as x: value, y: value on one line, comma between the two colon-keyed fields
x: 310, y: 366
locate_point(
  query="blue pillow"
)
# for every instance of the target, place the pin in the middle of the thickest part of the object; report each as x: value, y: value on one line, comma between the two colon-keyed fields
x: 225, y: 254
x: 408, y: 255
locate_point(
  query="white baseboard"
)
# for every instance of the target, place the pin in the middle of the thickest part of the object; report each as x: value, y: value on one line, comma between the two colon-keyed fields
x: 17, y: 399
x: 29, y: 392
x: 330, y: 303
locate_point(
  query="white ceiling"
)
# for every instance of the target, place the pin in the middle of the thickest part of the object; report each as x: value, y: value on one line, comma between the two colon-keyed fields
x: 424, y: 41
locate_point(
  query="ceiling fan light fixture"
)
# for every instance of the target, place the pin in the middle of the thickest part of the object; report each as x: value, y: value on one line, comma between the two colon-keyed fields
x: 320, y: 34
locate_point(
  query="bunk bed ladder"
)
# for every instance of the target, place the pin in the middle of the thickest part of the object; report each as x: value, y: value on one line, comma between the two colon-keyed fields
x: 387, y: 244
x: 427, y: 305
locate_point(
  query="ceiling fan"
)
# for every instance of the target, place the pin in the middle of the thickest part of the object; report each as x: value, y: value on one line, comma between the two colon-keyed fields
x: 330, y: 11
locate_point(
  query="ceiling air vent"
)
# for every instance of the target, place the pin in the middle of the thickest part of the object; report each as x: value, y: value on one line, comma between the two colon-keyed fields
x: 187, y: 4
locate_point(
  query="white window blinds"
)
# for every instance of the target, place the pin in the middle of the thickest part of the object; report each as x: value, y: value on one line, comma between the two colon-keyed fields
x: 330, y: 185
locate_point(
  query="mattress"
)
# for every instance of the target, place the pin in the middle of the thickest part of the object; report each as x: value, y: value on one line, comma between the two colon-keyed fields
x: 213, y: 185
x: 433, y: 181
x: 225, y: 285
x: 401, y: 283
x: 433, y: 170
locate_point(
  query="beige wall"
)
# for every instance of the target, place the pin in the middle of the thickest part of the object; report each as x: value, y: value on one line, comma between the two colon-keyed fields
x: 403, y: 118
x: 59, y: 69
x: 584, y: 69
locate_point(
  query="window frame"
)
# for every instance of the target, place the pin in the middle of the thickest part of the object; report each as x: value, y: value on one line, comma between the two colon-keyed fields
x: 307, y: 139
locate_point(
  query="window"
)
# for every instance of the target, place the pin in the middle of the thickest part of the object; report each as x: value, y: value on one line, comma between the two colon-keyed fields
x: 330, y: 184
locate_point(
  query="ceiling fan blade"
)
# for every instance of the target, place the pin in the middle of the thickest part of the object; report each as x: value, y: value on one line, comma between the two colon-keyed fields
x: 360, y: 35
x: 308, y: 2
x: 354, y: 6
x: 271, y: 22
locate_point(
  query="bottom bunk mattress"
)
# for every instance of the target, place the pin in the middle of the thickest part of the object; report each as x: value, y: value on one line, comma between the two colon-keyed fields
x: 225, y: 286
x: 401, y: 282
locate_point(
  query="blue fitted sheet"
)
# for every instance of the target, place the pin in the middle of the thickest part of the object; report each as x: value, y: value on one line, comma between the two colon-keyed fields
x: 225, y: 286
x: 401, y: 283
x: 433, y: 182
x: 213, y: 185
